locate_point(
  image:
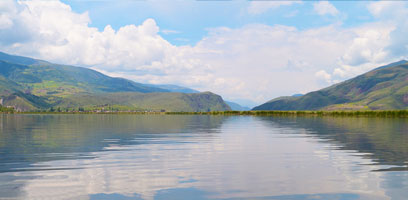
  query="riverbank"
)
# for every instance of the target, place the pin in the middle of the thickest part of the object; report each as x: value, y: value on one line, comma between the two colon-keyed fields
x: 376, y: 113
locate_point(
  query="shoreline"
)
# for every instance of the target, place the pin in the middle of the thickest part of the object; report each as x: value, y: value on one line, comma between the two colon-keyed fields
x: 365, y: 113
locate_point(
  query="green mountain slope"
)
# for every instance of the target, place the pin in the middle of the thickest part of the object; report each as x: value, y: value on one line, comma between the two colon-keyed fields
x: 383, y: 88
x: 175, y: 102
x: 43, y: 78
x: 30, y: 84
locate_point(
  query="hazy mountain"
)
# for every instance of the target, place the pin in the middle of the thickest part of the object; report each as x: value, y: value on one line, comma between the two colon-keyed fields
x: 383, y: 88
x: 235, y: 106
x: 174, y: 88
x: 31, y: 84
x: 244, y: 102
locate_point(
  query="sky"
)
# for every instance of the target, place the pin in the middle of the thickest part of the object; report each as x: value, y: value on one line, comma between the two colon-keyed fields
x: 246, y: 51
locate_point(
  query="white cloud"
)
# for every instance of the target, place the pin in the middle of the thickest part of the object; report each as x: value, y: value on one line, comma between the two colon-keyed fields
x: 393, y: 14
x: 325, y: 8
x: 377, y: 43
x: 56, y: 33
x: 368, y: 45
x: 259, y: 7
x: 255, y: 61
x: 7, y: 10
x: 387, y: 8
x: 366, y: 51
x: 264, y: 57
x: 169, y: 31
x: 155, y: 169
x: 323, y: 75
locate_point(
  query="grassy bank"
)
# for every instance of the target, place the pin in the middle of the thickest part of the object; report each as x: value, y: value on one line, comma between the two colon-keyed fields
x: 376, y: 113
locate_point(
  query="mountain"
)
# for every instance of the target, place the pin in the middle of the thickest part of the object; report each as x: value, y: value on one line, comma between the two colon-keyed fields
x: 244, y: 102
x: 43, y: 78
x: 174, y: 88
x: 383, y: 88
x: 197, y: 102
x: 31, y: 84
x: 237, y: 107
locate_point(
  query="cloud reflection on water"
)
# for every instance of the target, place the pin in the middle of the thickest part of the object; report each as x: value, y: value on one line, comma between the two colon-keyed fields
x: 200, y: 157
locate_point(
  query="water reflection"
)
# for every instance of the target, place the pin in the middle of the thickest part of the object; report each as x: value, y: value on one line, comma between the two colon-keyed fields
x: 199, y: 157
x: 39, y: 146
x: 26, y: 139
x: 383, y: 140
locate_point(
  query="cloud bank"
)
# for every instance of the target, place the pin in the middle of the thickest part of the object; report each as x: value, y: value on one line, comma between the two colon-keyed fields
x: 325, y: 8
x: 256, y: 62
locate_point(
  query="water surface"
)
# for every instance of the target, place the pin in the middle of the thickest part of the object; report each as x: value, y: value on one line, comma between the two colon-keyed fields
x: 202, y: 157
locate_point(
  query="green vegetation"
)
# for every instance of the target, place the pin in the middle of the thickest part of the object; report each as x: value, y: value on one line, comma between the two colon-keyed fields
x: 385, y: 88
x: 367, y: 113
x: 310, y: 113
x: 152, y: 102
x: 34, y: 85
x: 6, y: 109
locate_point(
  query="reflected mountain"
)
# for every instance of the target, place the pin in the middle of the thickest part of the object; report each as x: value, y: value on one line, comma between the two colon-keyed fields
x: 27, y: 139
x: 383, y: 140
x: 30, y: 143
x: 195, y: 157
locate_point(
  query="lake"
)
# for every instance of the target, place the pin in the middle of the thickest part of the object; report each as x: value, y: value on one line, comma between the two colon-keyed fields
x: 202, y: 157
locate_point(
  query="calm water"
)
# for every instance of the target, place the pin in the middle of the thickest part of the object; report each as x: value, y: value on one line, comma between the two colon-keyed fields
x: 202, y: 157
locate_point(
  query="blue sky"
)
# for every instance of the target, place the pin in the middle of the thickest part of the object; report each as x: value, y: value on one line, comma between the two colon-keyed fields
x: 246, y: 51
x: 188, y: 21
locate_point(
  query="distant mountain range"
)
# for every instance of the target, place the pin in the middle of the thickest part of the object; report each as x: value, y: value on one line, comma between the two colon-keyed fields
x: 383, y: 88
x: 30, y: 84
x: 237, y: 107
x: 174, y: 88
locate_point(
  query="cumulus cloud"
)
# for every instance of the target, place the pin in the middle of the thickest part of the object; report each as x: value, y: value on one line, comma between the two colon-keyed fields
x: 366, y: 50
x: 223, y: 62
x: 378, y: 43
x: 7, y: 11
x: 278, y: 57
x: 393, y: 13
x: 259, y: 7
x: 255, y: 61
x: 323, y: 75
x: 368, y: 45
x: 325, y: 8
x: 387, y: 8
x: 54, y: 31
